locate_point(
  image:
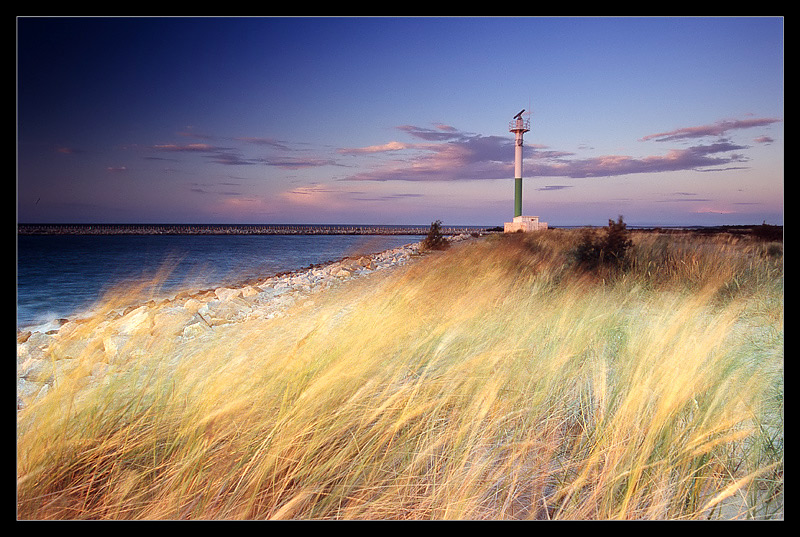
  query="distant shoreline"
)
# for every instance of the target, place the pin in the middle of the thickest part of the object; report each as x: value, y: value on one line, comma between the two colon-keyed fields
x: 230, y: 229
x: 234, y: 229
x: 337, y: 229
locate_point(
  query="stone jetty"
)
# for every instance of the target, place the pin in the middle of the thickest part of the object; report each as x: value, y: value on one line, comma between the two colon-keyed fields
x: 235, y: 229
x: 187, y: 315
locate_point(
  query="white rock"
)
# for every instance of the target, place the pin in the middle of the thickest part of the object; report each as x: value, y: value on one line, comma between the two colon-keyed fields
x: 26, y: 391
x: 36, y: 370
x: 112, y: 345
x: 218, y: 312
x: 169, y: 322
x: 195, y: 329
x: 249, y: 291
x: 192, y: 305
x: 225, y: 293
x: 134, y: 321
x: 99, y: 369
x: 64, y: 367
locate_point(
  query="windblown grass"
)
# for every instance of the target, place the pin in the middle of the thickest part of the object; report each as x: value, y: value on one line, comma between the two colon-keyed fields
x: 491, y: 381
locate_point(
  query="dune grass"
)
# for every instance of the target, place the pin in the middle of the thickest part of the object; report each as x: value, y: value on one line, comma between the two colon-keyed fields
x: 495, y: 380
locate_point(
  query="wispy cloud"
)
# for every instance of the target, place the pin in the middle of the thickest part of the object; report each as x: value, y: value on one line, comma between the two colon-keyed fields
x: 268, y: 142
x: 553, y: 187
x: 228, y: 156
x: 324, y: 196
x: 692, y: 158
x: 67, y: 150
x: 716, y: 129
x: 439, y: 133
x: 321, y: 197
x: 235, y: 156
x: 212, y: 188
x: 390, y: 146
x: 187, y: 148
x: 681, y: 199
x: 388, y: 197
x: 297, y: 163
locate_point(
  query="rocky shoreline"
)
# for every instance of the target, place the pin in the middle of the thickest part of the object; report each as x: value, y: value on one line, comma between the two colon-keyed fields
x: 187, y: 315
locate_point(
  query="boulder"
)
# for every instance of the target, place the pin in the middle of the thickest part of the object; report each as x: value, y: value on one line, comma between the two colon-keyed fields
x: 113, y: 345
x: 225, y: 293
x: 249, y: 291
x: 192, y: 305
x: 195, y: 329
x: 133, y: 321
x: 64, y: 367
x: 216, y: 312
x: 36, y: 370
x: 170, y: 321
x: 27, y: 391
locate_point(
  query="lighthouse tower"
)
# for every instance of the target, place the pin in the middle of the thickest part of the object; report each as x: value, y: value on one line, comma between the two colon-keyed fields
x: 520, y: 126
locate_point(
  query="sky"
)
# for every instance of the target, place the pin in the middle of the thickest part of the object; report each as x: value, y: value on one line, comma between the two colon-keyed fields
x: 393, y: 121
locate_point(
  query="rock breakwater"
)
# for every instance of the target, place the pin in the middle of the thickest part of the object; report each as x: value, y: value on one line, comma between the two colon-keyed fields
x: 46, y: 354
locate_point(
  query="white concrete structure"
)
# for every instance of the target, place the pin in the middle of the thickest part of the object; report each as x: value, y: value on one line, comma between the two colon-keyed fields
x: 525, y: 224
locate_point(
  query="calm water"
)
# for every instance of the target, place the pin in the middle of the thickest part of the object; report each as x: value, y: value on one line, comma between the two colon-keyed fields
x: 59, y: 276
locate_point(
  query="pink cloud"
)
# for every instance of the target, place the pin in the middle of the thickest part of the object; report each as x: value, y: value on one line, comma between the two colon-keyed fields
x: 186, y: 147
x: 461, y: 157
x: 390, y: 146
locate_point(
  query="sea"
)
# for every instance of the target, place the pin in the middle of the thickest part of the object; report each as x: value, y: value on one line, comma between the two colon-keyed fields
x: 61, y: 276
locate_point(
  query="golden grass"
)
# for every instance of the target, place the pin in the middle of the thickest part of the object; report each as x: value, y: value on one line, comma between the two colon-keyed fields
x: 491, y: 381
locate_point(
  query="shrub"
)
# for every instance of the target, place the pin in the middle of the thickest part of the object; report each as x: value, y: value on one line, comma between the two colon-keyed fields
x: 608, y: 250
x: 767, y: 232
x: 435, y: 240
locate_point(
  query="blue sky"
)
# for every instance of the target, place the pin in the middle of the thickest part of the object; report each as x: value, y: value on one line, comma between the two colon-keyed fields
x: 666, y: 121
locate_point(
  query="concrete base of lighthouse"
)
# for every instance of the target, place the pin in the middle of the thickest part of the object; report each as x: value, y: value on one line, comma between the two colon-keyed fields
x: 524, y: 224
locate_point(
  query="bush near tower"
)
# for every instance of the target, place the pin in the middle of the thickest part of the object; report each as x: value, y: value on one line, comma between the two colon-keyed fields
x: 609, y: 249
x: 435, y: 240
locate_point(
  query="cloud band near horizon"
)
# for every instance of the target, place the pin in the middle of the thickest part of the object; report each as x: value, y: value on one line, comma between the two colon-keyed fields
x: 444, y: 153
x: 450, y: 155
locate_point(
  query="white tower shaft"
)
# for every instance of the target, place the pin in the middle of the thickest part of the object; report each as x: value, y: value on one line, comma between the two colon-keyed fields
x: 519, y: 126
x: 518, y: 155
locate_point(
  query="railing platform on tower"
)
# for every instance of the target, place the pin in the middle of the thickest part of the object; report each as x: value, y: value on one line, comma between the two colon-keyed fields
x: 520, y: 124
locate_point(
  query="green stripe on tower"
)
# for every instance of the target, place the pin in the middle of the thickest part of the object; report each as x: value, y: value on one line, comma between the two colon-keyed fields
x: 517, y: 196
